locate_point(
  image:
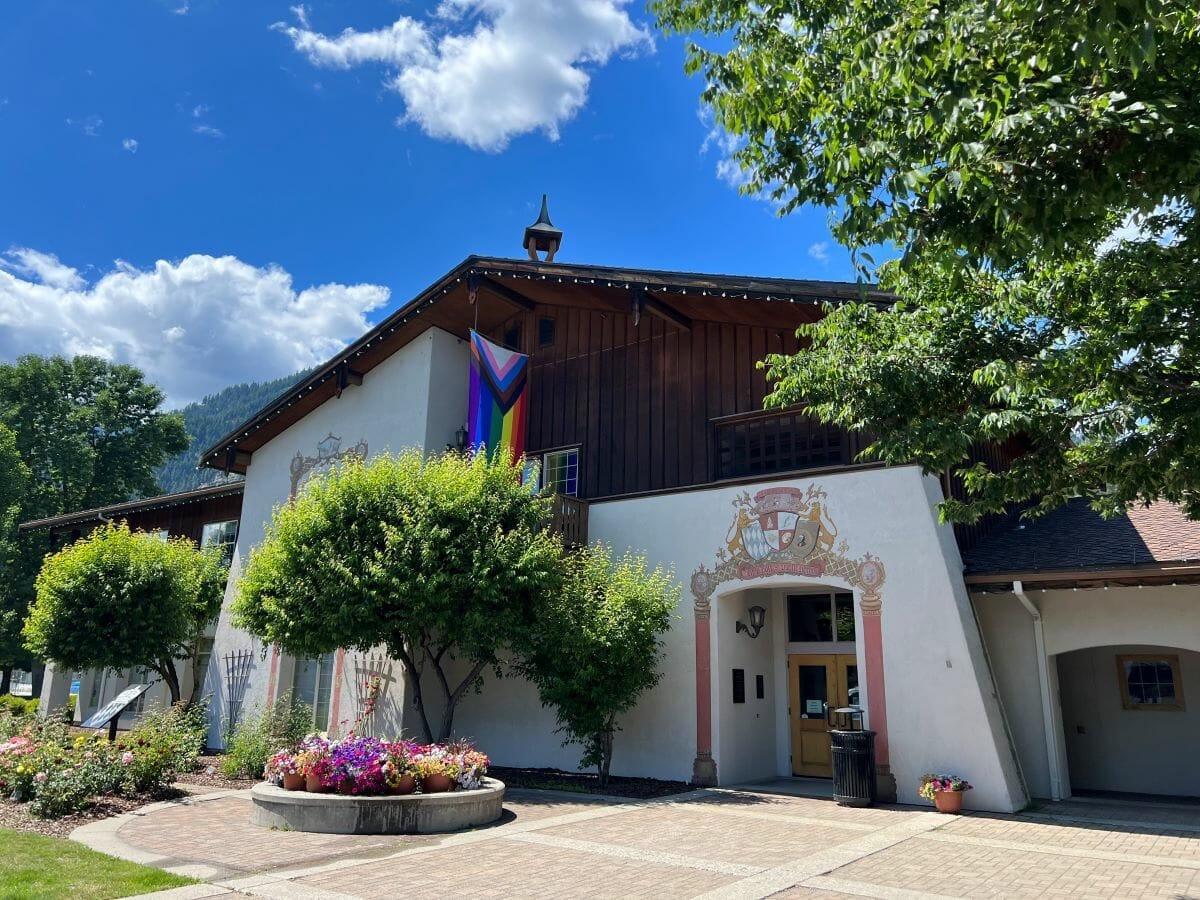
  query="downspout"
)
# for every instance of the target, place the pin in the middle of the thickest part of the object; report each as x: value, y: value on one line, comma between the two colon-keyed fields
x: 1039, y: 641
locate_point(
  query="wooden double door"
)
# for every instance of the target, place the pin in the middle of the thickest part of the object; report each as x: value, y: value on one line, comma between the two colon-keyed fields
x: 817, y: 681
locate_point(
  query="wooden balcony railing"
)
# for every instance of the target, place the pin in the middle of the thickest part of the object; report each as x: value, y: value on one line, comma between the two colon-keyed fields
x: 767, y: 442
x: 569, y: 519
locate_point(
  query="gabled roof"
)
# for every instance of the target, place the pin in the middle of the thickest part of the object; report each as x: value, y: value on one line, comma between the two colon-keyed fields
x: 513, y: 285
x: 1076, y: 540
x: 116, y: 510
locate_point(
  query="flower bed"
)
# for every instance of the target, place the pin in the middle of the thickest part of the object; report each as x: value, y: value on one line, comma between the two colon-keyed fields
x: 369, y: 766
x: 57, y: 774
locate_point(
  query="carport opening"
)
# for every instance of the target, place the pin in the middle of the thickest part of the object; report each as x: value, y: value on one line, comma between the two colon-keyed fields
x: 1131, y: 720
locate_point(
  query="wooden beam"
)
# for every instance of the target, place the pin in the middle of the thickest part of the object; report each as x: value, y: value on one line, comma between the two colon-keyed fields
x: 657, y: 307
x: 346, y: 377
x: 504, y: 292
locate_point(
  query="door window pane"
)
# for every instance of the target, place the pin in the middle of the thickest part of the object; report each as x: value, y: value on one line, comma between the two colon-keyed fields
x: 814, y: 691
x: 852, y: 686
x: 844, y: 613
x: 810, y: 618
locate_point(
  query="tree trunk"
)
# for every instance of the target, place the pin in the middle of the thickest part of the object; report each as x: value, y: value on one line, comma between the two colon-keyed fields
x: 604, y: 742
x: 451, y: 697
x: 166, y: 668
x: 5, y: 680
x: 414, y: 680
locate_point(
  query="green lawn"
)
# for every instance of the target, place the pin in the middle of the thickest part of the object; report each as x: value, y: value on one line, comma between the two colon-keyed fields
x: 36, y: 867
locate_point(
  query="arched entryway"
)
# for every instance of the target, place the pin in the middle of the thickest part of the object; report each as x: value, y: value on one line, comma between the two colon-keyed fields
x: 1131, y: 720
x: 782, y: 654
x: 782, y: 536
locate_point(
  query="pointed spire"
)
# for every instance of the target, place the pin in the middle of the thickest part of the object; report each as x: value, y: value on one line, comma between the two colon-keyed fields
x: 542, y: 235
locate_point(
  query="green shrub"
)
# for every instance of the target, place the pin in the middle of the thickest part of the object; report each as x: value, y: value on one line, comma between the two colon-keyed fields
x: 260, y: 734
x: 18, y: 706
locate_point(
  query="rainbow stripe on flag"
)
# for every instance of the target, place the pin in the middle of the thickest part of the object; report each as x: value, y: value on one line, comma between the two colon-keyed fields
x: 497, y: 403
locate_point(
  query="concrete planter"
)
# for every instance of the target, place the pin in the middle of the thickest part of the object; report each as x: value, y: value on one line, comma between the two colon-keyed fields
x: 273, y: 807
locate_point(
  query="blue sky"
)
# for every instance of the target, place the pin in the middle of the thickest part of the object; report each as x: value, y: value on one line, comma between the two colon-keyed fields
x: 222, y: 191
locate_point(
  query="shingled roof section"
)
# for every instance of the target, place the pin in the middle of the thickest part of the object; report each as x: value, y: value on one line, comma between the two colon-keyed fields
x: 1075, y: 537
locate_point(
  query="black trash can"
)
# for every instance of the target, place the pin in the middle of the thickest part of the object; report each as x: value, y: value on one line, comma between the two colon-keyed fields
x: 853, y: 767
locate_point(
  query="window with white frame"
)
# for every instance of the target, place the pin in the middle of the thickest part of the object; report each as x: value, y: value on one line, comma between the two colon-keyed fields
x: 221, y: 534
x: 312, y: 685
x: 560, y: 471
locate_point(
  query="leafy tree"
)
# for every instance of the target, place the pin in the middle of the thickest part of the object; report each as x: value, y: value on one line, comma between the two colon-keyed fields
x: 14, y: 479
x: 997, y: 145
x: 119, y: 598
x: 437, y: 559
x: 597, y: 646
x: 90, y: 433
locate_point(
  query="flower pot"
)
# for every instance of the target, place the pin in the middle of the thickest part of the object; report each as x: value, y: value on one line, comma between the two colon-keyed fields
x: 312, y: 783
x: 436, y: 784
x: 293, y: 782
x: 406, y: 785
x: 948, y: 801
x: 346, y: 786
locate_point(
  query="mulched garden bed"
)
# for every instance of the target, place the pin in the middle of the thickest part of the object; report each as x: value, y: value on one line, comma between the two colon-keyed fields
x: 208, y: 774
x: 17, y: 815
x: 582, y: 783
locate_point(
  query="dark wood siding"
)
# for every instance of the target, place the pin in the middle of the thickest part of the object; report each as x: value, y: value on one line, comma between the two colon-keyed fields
x: 184, y: 520
x: 639, y: 399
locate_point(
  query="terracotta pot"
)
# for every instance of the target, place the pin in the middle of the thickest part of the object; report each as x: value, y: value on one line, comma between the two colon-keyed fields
x: 346, y: 786
x: 948, y: 801
x: 293, y: 782
x: 406, y: 785
x: 312, y: 783
x: 436, y: 784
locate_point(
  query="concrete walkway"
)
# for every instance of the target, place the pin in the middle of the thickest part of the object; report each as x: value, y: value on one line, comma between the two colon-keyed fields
x: 715, y: 843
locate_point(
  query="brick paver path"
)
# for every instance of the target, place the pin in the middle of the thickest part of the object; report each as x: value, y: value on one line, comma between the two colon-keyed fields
x: 709, y: 843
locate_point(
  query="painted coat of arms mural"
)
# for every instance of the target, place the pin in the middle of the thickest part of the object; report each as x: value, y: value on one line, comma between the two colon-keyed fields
x: 329, y: 453
x: 786, y: 531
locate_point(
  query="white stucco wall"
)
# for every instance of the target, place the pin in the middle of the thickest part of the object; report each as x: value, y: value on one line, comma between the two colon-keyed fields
x: 942, y: 709
x: 1158, y: 617
x: 415, y: 398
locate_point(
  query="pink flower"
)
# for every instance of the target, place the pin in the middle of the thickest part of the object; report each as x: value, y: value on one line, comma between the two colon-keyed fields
x: 40, y: 777
x: 127, y: 757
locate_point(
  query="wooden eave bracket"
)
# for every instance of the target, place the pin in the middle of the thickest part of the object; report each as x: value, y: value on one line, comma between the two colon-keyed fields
x: 235, y: 459
x: 641, y: 300
x: 346, y: 377
x: 504, y: 292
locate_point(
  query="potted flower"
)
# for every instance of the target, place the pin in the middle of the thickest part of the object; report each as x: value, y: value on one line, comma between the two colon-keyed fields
x: 357, y: 765
x: 437, y: 768
x: 399, y: 773
x: 314, y: 763
x: 472, y: 765
x: 284, y: 768
x: 944, y: 791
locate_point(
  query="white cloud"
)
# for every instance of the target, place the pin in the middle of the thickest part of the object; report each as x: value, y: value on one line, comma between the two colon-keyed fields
x: 43, y: 267
x: 130, y: 144
x: 182, y: 9
x: 193, y: 327
x: 485, y: 71
x: 729, y: 170
x: 208, y: 131
x: 819, y: 251
x: 199, y: 110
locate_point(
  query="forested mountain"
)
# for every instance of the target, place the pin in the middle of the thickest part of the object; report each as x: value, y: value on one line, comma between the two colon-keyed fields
x: 210, y: 419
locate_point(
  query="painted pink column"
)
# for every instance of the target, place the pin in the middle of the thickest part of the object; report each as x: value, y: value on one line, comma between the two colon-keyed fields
x: 273, y: 678
x: 335, y: 702
x: 704, y: 767
x: 876, y: 698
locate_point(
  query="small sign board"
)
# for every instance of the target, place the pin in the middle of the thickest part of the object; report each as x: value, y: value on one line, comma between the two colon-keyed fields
x: 111, y: 710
